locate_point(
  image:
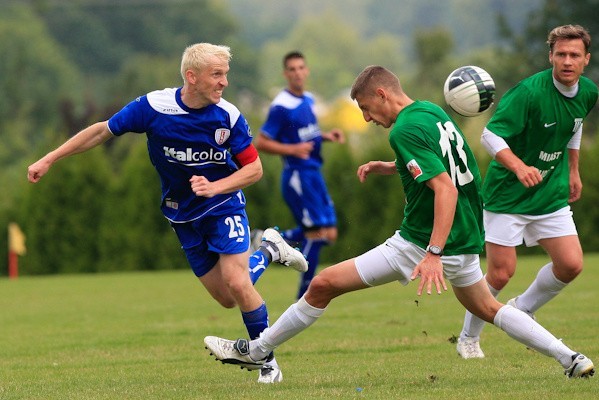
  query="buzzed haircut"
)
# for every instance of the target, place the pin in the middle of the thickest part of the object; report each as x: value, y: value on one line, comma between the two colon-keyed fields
x: 569, y: 32
x: 372, y: 77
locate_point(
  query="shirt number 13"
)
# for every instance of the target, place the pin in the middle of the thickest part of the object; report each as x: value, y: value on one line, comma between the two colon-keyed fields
x: 460, y: 174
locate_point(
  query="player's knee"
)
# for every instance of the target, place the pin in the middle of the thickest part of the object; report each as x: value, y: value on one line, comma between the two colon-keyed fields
x: 499, y: 277
x: 568, y: 271
x: 332, y: 235
x: 239, y: 288
x: 320, y: 288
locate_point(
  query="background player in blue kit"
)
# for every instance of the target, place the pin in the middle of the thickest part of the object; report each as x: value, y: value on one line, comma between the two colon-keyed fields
x: 291, y: 130
x: 201, y: 146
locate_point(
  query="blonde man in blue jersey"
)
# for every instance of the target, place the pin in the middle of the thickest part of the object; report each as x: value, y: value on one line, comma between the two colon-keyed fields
x: 440, y: 236
x: 201, y: 148
x: 534, y: 138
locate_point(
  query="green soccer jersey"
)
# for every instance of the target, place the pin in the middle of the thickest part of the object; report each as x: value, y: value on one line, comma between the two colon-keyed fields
x: 427, y: 142
x: 537, y: 122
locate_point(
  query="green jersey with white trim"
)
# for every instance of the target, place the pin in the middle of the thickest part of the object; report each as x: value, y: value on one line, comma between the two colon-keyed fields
x: 537, y: 122
x: 427, y: 143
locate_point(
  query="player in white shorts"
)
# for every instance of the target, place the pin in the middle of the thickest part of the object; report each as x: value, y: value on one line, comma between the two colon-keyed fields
x: 396, y: 258
x: 440, y: 236
x: 534, y: 138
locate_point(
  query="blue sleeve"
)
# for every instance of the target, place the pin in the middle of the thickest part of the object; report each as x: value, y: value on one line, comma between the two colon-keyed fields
x: 131, y: 118
x: 274, y: 123
x: 241, y: 135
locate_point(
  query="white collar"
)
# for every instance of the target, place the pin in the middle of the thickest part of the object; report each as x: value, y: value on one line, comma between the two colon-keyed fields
x: 568, y: 91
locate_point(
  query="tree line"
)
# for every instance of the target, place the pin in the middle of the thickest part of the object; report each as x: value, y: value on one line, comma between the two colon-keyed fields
x: 99, y: 212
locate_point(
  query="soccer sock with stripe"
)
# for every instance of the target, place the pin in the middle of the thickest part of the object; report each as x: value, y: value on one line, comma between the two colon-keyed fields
x: 259, y: 261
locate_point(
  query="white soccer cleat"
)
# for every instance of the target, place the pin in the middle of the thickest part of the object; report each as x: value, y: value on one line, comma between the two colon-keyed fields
x: 512, y: 302
x: 270, y: 374
x: 581, y: 367
x: 287, y: 255
x: 469, y: 348
x: 236, y: 352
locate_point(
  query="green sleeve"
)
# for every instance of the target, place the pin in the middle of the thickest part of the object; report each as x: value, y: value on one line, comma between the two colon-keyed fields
x: 511, y: 116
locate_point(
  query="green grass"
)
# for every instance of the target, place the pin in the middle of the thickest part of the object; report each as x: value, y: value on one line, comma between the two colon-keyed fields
x: 139, y: 336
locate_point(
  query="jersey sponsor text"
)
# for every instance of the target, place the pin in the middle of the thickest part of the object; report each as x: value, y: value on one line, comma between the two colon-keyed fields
x: 550, y: 156
x: 188, y: 155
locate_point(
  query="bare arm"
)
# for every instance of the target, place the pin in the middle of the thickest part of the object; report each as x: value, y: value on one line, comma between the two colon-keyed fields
x: 430, y: 269
x: 527, y: 175
x: 575, y: 181
x: 86, y: 139
x: 243, y: 177
x: 376, y: 167
x: 268, y: 145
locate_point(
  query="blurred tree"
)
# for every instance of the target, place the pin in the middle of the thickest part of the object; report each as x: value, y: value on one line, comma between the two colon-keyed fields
x: 433, y: 48
x: 329, y: 45
x: 35, y: 79
x: 586, y: 212
x: 101, y: 36
x: 63, y: 213
x: 134, y: 235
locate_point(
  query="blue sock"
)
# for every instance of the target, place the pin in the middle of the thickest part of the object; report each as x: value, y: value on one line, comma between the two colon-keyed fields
x: 256, y: 321
x: 259, y: 261
x: 310, y: 249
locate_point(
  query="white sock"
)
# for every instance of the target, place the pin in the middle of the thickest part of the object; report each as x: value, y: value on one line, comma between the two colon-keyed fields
x: 273, y: 363
x: 518, y: 325
x: 473, y: 326
x: 545, y: 287
x: 295, y: 319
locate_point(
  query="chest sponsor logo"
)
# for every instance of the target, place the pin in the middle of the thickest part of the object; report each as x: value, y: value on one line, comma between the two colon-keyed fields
x: 221, y: 135
x: 308, y: 132
x: 189, y: 155
x: 547, y: 157
x: 414, y: 168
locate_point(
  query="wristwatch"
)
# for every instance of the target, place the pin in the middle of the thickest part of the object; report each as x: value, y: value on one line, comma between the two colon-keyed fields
x: 436, y: 250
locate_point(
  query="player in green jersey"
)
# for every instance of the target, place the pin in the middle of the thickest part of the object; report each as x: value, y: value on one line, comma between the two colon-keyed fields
x: 534, y: 138
x: 441, y: 234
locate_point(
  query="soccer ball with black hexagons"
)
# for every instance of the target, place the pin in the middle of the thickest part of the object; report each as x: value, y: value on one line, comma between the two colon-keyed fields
x: 469, y: 90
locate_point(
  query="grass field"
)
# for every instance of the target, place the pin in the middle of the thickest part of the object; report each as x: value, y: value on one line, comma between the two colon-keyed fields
x: 139, y: 336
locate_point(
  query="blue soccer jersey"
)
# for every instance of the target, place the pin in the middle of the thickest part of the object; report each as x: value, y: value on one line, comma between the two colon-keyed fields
x: 292, y: 119
x: 183, y: 142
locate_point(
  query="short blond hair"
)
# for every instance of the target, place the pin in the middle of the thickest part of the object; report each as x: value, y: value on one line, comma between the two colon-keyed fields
x: 198, y: 55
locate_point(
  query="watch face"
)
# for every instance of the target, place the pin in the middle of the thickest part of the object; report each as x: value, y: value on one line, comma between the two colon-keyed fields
x: 436, y: 250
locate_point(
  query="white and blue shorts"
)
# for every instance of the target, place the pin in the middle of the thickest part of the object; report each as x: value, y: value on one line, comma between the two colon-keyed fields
x: 306, y: 195
x: 204, y: 239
